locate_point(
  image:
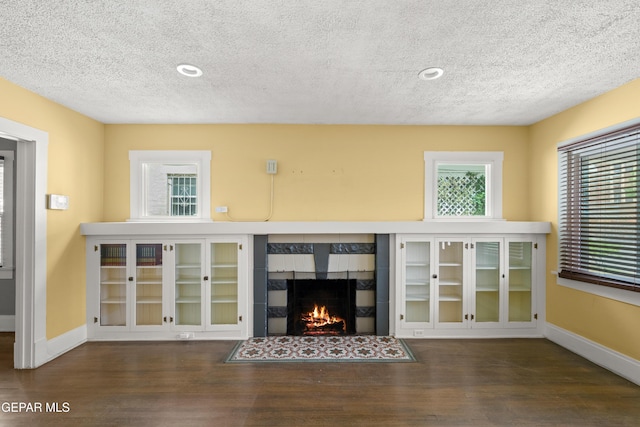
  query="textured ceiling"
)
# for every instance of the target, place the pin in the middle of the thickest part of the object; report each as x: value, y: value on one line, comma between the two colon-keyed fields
x: 506, y: 62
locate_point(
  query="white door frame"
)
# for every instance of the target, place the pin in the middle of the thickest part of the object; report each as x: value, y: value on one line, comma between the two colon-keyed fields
x: 30, y: 348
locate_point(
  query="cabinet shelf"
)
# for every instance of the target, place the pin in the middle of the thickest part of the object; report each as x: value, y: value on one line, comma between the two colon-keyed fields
x: 224, y: 282
x: 487, y: 288
x: 418, y: 283
x: 450, y: 298
x: 113, y: 300
x: 224, y: 265
x: 450, y: 264
x: 450, y: 283
x: 113, y: 282
x: 188, y: 300
x: 150, y: 282
x: 417, y: 264
x: 486, y: 267
x: 517, y: 288
x: 188, y: 282
x: 180, y: 266
x: 149, y: 300
x: 417, y: 297
x: 224, y: 299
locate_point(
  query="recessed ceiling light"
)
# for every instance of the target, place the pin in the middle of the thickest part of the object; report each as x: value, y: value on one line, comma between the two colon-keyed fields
x: 189, y: 70
x: 431, y: 73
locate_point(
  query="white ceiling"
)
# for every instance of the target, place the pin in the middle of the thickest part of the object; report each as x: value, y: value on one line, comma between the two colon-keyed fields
x: 506, y: 62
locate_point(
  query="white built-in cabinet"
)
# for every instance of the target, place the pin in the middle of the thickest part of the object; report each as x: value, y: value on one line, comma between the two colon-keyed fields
x: 467, y: 286
x: 156, y: 289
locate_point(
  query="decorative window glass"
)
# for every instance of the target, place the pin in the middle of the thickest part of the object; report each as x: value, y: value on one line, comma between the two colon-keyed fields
x: 170, y: 185
x: 183, y: 194
x: 464, y: 185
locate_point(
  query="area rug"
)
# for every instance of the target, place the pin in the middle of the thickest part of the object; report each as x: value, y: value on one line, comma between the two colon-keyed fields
x: 359, y: 348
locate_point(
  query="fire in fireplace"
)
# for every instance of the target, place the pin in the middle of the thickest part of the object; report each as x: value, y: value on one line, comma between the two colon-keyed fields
x: 321, y: 322
x: 321, y: 307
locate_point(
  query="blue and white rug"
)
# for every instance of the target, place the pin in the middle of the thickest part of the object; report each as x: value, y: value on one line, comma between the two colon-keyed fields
x: 351, y: 348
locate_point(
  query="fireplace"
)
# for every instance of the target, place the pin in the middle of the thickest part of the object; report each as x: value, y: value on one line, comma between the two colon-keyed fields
x: 347, y: 274
x: 321, y: 307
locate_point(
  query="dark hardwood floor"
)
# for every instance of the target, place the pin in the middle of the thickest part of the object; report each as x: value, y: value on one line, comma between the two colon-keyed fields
x: 530, y: 382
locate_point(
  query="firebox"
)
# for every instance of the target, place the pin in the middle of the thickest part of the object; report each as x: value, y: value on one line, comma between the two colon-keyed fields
x: 321, y: 306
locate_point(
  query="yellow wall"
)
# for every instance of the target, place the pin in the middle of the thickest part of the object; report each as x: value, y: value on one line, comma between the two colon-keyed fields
x: 75, y: 167
x: 610, y: 323
x: 346, y: 173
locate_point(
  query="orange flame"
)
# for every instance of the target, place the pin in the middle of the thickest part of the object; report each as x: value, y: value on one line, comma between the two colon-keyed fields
x: 320, y: 317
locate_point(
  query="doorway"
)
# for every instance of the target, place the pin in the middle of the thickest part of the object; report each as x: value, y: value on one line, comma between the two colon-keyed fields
x: 30, y: 348
x: 7, y: 235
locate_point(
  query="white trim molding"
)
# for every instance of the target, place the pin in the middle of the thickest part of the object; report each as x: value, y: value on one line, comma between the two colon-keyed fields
x: 492, y: 160
x: 30, y: 242
x: 612, y: 360
x: 68, y: 341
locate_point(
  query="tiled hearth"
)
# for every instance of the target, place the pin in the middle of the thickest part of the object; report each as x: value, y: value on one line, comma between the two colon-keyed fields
x: 300, y: 257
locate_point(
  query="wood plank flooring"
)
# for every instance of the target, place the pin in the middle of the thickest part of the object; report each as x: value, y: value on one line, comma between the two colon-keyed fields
x: 521, y: 382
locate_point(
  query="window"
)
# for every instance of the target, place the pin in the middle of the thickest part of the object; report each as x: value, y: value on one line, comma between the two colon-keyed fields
x: 6, y: 214
x: 463, y: 185
x: 599, y: 207
x: 170, y: 185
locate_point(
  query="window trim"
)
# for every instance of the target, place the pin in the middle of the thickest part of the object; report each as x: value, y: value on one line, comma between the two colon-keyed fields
x: 137, y: 160
x: 492, y: 159
x: 7, y: 263
x: 628, y: 296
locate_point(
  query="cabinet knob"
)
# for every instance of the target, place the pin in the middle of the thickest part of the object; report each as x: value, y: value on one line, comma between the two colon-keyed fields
x: 206, y: 277
x: 131, y: 278
x: 434, y: 276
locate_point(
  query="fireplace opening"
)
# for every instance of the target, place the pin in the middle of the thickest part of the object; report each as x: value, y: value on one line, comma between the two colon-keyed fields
x: 321, y: 307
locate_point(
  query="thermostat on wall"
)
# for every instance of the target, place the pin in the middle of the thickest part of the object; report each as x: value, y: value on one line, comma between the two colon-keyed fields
x: 57, y: 202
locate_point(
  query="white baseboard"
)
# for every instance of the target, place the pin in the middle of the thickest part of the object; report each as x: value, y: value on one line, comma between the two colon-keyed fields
x: 65, y: 342
x: 618, y: 363
x: 7, y: 323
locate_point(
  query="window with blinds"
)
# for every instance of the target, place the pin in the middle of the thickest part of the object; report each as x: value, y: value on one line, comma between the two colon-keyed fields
x: 599, y: 209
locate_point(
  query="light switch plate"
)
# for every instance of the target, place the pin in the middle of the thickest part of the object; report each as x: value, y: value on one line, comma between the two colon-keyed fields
x: 58, y: 202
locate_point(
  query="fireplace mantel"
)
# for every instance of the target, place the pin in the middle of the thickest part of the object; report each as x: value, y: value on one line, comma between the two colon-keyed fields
x: 310, y: 227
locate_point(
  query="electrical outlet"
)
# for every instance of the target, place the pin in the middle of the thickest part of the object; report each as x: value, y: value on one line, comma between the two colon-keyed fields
x: 418, y: 332
x: 221, y: 209
x: 272, y: 167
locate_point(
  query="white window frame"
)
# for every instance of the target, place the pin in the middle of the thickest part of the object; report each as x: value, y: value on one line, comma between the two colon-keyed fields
x: 7, y: 269
x: 138, y: 199
x: 493, y: 162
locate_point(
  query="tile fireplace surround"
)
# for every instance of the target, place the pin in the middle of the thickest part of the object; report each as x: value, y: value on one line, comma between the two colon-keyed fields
x: 344, y: 256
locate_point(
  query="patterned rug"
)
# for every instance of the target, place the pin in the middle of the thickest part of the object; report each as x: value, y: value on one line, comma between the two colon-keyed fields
x: 360, y: 348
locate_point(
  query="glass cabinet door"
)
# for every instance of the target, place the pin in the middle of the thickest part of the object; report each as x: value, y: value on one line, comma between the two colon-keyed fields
x: 113, y: 284
x: 487, y: 281
x: 519, y: 282
x: 188, y: 284
x: 417, y: 282
x: 224, y: 283
x: 450, y: 280
x: 148, y: 285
